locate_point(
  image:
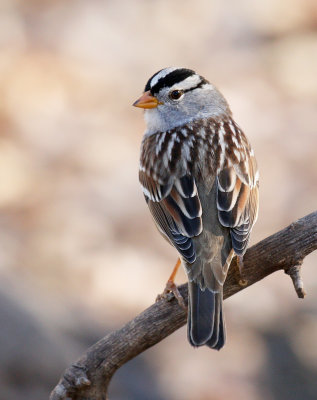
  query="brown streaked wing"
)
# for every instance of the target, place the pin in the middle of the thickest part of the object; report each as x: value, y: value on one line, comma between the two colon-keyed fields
x: 152, y: 189
x: 167, y: 227
x: 176, y: 210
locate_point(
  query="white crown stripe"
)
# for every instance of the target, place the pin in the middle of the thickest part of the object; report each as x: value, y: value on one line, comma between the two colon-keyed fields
x: 161, y: 75
x: 188, y: 83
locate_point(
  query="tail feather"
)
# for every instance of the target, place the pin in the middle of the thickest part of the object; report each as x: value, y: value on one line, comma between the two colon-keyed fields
x: 221, y: 335
x: 205, y: 318
x: 216, y: 317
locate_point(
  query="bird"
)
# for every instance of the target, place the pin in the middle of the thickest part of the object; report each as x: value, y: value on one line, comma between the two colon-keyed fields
x: 200, y: 181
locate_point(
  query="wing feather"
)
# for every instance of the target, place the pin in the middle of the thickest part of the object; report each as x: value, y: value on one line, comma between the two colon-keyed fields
x: 238, y: 200
x: 176, y: 210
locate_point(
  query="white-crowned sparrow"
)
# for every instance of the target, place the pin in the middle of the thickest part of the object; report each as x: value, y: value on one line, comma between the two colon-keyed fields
x: 200, y: 180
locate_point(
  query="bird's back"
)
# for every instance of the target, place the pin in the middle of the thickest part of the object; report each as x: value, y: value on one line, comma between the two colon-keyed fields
x: 207, y: 275
x: 213, y: 246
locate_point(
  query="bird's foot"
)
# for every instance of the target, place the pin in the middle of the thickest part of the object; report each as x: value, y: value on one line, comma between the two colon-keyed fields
x: 241, y: 280
x: 170, y: 291
x: 171, y: 288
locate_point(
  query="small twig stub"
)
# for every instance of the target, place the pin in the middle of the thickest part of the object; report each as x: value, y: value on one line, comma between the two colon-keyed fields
x: 295, y: 273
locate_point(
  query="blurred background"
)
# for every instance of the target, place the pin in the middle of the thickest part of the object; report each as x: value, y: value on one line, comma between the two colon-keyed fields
x: 79, y: 253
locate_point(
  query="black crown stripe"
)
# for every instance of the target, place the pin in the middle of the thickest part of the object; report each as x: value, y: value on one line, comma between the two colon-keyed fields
x: 169, y: 80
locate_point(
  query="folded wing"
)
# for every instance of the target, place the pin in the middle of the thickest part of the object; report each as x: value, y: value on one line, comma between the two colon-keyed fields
x: 238, y: 200
x: 176, y: 209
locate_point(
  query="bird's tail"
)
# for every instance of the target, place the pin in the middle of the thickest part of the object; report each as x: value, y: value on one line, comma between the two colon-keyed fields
x: 206, y: 324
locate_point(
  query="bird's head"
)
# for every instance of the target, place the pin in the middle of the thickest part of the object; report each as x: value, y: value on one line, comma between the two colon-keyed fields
x: 175, y: 96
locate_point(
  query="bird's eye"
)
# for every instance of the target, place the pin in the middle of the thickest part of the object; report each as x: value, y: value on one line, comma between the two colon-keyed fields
x: 176, y: 94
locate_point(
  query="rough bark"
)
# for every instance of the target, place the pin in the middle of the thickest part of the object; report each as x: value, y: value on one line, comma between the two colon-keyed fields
x: 90, y: 376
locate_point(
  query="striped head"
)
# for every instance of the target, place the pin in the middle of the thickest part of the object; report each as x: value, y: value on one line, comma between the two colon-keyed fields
x: 176, y: 96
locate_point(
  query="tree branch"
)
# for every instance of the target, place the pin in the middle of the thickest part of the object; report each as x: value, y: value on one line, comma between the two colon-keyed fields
x: 90, y: 376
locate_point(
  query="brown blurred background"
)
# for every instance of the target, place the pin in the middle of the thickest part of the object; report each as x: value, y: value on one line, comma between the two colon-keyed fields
x: 79, y: 254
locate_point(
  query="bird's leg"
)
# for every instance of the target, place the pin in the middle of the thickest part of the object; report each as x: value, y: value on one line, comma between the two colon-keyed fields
x: 172, y: 288
x: 241, y: 280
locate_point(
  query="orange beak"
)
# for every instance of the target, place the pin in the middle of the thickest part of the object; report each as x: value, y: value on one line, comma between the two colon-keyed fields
x: 147, y: 101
